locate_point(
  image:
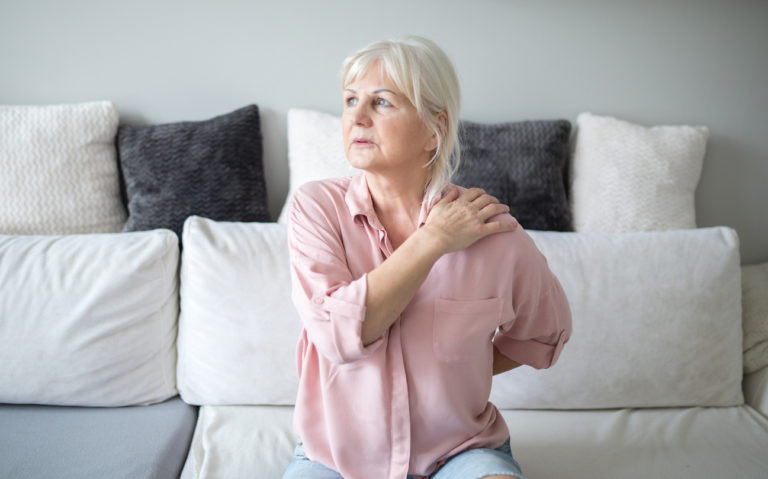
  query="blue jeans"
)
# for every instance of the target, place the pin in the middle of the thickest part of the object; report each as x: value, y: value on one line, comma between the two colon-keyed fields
x: 470, y: 464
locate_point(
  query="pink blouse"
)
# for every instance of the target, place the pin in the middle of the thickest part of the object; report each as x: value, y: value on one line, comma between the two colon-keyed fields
x: 419, y: 394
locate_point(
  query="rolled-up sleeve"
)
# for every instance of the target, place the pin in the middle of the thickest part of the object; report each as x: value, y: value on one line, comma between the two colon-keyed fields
x: 330, y: 301
x: 538, y: 322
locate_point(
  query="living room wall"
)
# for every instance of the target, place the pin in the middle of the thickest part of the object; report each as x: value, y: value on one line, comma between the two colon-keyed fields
x: 654, y: 62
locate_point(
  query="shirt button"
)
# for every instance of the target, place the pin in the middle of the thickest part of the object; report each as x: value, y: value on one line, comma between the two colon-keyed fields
x: 318, y: 300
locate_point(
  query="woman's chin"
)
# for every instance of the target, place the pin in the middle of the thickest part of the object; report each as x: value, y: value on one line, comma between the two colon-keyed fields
x: 359, y: 163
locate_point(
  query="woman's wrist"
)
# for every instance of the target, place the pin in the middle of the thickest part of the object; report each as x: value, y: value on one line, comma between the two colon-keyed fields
x: 434, y: 240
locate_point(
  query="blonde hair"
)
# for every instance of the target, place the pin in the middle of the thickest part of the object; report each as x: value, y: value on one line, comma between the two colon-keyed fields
x: 425, y: 74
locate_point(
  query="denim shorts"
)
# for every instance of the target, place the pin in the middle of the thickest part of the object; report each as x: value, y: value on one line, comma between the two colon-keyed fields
x: 470, y: 464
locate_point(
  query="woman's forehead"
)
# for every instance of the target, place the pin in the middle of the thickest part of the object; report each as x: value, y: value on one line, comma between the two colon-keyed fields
x: 373, y: 78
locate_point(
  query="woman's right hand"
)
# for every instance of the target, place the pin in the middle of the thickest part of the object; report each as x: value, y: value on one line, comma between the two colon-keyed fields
x: 458, y: 220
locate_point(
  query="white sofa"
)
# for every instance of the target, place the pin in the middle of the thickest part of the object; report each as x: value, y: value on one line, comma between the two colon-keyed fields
x: 100, y: 332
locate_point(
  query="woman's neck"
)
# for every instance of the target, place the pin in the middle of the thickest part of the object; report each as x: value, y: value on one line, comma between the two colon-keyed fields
x: 397, y: 198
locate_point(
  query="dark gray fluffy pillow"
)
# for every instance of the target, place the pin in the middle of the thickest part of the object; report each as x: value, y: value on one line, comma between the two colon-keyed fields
x: 210, y: 168
x: 524, y: 165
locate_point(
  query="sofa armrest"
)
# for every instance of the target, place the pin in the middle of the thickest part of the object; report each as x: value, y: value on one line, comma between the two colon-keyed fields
x: 756, y: 390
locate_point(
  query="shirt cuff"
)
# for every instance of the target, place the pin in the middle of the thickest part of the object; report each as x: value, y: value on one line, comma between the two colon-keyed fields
x: 531, y: 351
x: 346, y: 310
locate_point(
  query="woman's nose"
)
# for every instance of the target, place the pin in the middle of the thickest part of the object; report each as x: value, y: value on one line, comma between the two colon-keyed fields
x: 362, y: 116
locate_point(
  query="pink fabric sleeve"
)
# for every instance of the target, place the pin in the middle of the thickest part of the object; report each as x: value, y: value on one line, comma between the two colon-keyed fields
x: 330, y: 302
x: 541, y: 323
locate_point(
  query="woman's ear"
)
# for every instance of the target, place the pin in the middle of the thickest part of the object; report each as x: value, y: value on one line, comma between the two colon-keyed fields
x: 442, y: 126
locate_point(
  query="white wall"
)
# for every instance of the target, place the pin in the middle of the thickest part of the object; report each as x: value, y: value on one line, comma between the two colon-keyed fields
x: 652, y: 62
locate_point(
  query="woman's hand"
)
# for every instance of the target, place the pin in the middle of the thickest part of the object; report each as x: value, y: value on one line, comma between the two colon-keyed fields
x: 457, y: 221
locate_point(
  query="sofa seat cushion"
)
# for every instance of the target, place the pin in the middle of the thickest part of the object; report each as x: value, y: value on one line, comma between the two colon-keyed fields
x: 258, y: 441
x: 123, y: 442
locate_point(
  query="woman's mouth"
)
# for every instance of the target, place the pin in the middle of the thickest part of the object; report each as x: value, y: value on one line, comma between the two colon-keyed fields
x: 362, y: 142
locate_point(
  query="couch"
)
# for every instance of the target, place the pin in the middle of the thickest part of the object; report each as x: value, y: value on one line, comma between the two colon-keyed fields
x: 145, y: 338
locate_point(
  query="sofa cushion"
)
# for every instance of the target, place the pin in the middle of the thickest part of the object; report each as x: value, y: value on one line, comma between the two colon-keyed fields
x: 88, y: 320
x: 238, y: 328
x: 656, y: 323
x: 641, y: 302
x: 76, y: 442
x: 627, y: 177
x: 680, y: 443
x: 58, y: 169
x: 754, y: 281
x: 211, y: 168
x: 523, y: 164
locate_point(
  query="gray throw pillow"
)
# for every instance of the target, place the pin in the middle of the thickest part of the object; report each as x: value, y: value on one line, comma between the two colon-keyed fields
x: 210, y: 168
x: 524, y: 165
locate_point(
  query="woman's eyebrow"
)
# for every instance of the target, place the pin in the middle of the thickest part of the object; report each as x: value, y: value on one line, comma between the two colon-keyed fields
x: 380, y: 90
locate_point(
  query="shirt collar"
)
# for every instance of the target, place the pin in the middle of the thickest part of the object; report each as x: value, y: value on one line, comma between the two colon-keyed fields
x: 360, y: 203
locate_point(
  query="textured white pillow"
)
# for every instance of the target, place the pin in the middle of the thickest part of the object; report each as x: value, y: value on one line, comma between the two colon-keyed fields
x: 754, y: 283
x: 238, y: 328
x: 88, y: 320
x: 315, y: 151
x: 59, y: 169
x: 656, y: 323
x: 627, y: 177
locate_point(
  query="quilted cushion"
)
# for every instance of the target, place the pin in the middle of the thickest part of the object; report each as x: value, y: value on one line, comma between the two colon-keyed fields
x: 628, y: 177
x: 58, y: 169
x: 523, y: 164
x: 211, y: 168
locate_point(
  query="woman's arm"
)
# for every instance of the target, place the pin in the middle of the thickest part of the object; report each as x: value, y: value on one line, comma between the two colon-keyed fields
x: 454, y: 223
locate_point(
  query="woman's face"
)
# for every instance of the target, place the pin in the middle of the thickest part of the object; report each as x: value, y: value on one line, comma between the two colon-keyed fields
x: 381, y: 128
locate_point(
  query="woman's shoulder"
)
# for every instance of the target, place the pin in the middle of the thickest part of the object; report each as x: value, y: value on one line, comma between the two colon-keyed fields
x: 515, y: 244
x: 329, y: 191
x: 328, y: 186
x: 320, y: 200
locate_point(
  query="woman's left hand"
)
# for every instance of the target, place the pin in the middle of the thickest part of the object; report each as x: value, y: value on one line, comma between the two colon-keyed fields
x: 458, y: 220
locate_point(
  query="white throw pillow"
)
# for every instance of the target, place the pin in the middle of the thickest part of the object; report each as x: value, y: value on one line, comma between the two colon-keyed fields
x: 59, y: 169
x: 627, y: 177
x: 315, y: 151
x: 754, y: 282
x: 238, y: 328
x: 656, y: 323
x: 88, y: 320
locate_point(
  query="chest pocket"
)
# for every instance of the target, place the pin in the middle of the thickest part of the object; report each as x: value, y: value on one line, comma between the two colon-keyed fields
x: 463, y: 329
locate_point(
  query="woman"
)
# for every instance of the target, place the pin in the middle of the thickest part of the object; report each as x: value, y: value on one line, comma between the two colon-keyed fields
x: 412, y: 291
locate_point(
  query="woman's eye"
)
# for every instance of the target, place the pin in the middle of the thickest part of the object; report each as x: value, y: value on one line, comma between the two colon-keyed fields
x: 350, y: 101
x: 382, y: 102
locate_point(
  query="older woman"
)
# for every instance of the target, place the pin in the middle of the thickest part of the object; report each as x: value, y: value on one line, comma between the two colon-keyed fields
x: 412, y: 292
